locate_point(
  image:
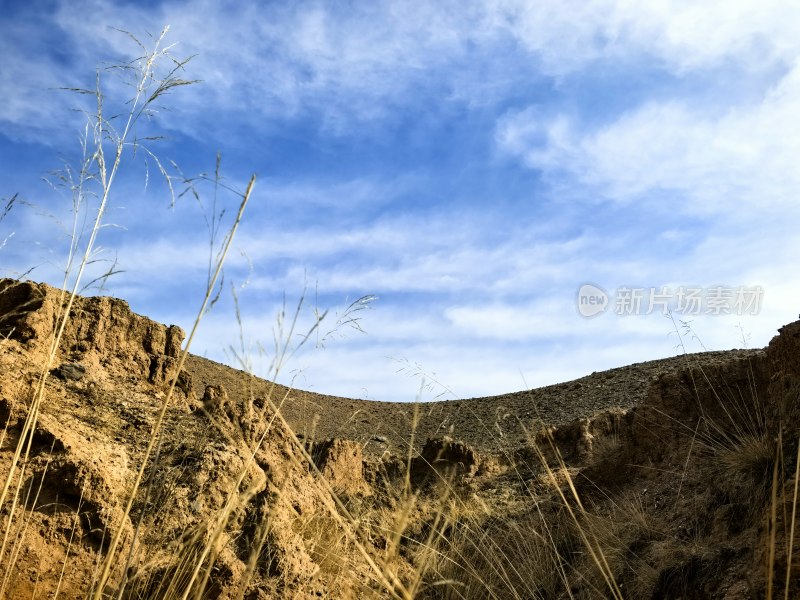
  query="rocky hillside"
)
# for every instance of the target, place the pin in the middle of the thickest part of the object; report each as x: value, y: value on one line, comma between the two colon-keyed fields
x: 666, y: 479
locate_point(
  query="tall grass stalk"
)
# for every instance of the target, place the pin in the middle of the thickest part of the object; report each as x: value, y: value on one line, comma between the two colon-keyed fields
x: 586, y: 534
x: 100, y: 168
x: 103, y: 147
x: 154, y: 435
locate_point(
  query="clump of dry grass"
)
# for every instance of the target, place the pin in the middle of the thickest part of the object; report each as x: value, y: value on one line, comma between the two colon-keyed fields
x: 504, y: 557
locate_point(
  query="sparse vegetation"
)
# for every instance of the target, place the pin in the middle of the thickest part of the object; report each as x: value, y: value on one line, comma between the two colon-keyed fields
x: 134, y: 470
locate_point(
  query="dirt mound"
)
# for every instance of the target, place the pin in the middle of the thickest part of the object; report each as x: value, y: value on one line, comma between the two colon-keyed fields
x: 678, y: 473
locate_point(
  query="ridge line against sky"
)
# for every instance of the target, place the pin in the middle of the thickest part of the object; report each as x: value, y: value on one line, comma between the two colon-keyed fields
x: 470, y: 164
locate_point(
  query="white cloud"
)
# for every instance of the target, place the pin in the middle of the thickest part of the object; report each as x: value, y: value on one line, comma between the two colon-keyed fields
x: 478, y: 295
x: 31, y: 101
x: 278, y: 61
x: 682, y: 35
x: 742, y: 158
x: 285, y: 60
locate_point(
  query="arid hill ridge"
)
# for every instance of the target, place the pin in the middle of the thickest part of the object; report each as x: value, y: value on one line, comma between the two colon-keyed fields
x: 487, y: 423
x: 677, y: 463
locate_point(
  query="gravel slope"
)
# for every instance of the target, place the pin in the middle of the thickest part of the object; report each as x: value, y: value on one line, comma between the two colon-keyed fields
x: 485, y: 423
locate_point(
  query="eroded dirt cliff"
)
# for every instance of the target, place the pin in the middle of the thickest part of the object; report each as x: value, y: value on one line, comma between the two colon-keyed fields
x: 685, y: 471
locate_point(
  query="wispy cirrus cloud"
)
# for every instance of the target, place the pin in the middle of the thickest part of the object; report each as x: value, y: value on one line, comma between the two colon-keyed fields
x: 680, y: 36
x: 471, y: 165
x: 711, y: 160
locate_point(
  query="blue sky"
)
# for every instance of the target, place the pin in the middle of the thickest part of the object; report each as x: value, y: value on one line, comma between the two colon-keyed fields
x: 470, y: 164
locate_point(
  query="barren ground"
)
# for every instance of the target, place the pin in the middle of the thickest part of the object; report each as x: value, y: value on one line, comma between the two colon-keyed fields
x: 674, y: 463
x: 489, y: 424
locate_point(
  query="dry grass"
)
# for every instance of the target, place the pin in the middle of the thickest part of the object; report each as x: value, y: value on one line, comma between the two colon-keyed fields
x: 437, y: 539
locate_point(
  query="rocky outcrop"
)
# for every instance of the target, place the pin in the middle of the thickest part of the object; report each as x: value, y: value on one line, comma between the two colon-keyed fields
x: 341, y: 462
x: 783, y: 359
x: 100, y: 331
x: 445, y: 457
x: 89, y: 471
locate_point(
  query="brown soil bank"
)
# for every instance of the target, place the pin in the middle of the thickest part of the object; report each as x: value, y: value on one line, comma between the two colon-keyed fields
x: 666, y: 479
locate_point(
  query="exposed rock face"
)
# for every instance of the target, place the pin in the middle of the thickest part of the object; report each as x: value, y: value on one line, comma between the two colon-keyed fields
x: 21, y: 317
x: 97, y: 416
x: 215, y: 399
x: 102, y: 331
x: 447, y: 457
x: 342, y: 464
x: 783, y: 363
x: 725, y: 397
x: 89, y: 471
x: 693, y: 457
